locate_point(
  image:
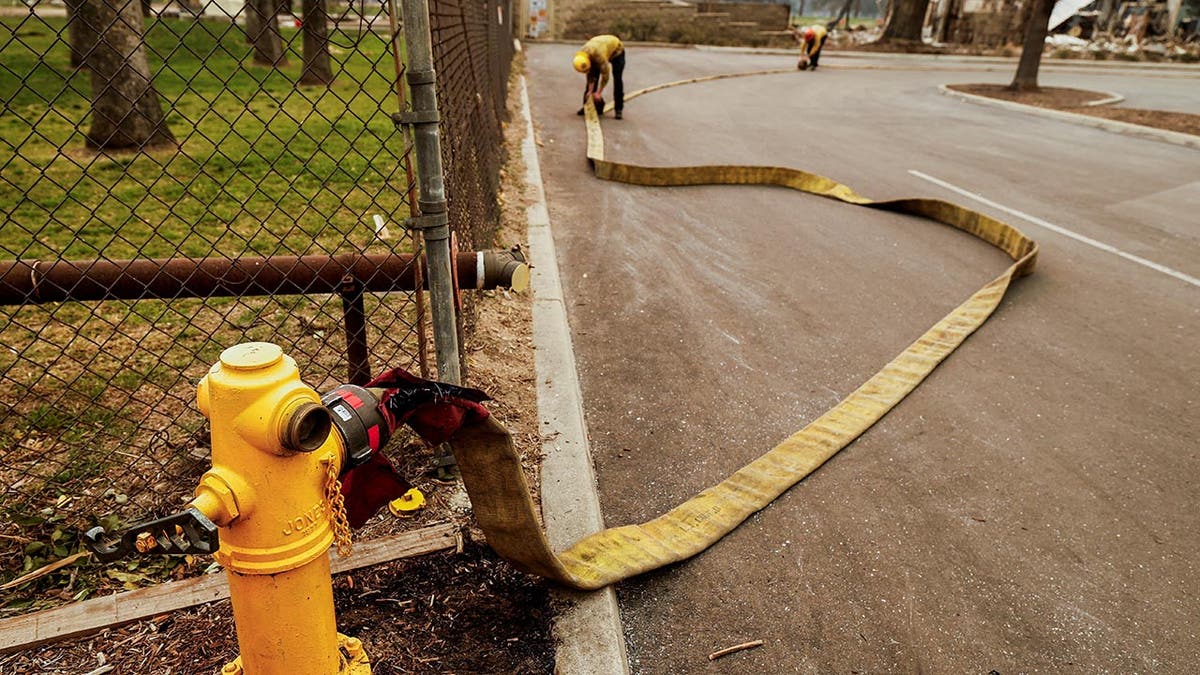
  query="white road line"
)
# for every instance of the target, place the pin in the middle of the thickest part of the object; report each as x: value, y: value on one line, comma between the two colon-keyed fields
x: 1059, y: 229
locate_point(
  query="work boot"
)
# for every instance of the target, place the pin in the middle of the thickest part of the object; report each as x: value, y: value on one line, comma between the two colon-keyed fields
x: 617, y: 115
x: 579, y: 112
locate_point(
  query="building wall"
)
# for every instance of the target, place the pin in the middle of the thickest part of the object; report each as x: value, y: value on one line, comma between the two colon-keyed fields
x: 740, y: 23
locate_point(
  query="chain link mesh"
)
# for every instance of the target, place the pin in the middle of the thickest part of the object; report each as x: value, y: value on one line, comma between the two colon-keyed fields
x: 472, y: 54
x: 201, y: 130
x: 183, y: 134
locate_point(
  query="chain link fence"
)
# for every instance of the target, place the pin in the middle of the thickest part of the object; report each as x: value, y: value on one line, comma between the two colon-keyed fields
x: 473, y: 53
x: 176, y: 179
x: 179, y: 178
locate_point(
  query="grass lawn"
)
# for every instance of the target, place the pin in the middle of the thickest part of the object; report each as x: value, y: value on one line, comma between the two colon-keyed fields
x: 263, y: 166
x: 814, y: 20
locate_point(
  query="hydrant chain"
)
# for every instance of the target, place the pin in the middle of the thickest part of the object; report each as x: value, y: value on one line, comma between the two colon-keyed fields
x: 335, y: 503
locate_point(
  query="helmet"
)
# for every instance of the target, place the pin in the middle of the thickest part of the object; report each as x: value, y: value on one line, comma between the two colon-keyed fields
x: 808, y: 33
x: 582, y: 63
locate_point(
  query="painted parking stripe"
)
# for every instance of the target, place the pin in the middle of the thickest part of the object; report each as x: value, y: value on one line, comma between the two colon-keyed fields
x: 1059, y: 229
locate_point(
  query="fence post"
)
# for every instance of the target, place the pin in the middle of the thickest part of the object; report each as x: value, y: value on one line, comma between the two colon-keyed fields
x: 433, y: 220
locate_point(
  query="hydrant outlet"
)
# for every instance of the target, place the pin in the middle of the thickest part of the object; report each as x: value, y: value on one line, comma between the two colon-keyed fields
x: 306, y: 428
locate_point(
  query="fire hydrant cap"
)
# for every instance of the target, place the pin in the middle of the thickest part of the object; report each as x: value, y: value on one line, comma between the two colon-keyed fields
x: 251, y: 356
x: 410, y: 503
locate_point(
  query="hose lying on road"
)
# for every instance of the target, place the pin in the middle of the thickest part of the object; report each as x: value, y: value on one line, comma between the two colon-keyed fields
x: 491, y: 466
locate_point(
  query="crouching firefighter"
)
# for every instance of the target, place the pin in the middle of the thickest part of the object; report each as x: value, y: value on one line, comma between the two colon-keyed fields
x: 600, y: 55
x: 811, y: 39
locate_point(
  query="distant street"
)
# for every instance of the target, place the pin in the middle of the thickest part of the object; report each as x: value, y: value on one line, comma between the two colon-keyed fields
x: 1031, y: 507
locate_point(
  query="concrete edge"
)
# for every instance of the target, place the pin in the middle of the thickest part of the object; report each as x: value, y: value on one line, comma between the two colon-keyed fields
x: 1110, y: 97
x: 1114, y: 126
x: 587, y: 626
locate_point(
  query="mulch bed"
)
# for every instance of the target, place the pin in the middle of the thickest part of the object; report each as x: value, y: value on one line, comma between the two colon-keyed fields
x: 1185, y: 123
x: 447, y: 612
x: 1074, y: 100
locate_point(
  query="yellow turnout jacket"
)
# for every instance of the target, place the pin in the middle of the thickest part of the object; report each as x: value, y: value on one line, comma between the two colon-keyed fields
x: 811, y: 48
x: 602, y: 49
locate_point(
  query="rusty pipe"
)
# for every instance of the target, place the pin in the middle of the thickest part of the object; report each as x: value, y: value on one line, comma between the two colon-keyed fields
x: 36, y: 282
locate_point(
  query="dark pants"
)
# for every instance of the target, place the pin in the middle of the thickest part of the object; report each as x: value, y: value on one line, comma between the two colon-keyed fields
x: 816, y: 56
x: 618, y: 67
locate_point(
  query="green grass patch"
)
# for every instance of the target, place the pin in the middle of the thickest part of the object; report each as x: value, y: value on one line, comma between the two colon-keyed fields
x: 263, y: 166
x: 808, y: 20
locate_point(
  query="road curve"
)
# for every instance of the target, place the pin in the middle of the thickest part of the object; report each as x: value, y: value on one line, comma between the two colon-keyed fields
x: 1027, y: 509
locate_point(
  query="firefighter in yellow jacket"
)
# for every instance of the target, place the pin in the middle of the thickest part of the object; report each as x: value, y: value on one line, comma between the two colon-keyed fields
x: 601, y: 55
x: 811, y: 39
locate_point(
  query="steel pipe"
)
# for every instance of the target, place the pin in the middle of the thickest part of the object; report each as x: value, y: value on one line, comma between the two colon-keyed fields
x: 37, y: 282
x: 431, y: 206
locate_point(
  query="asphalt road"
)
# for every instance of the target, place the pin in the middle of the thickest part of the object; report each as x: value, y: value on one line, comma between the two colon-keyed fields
x: 1031, y: 507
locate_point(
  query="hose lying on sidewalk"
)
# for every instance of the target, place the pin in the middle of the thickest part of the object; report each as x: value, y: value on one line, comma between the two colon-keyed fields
x: 491, y: 466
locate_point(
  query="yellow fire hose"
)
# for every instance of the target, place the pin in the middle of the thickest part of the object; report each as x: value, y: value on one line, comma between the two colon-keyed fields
x: 491, y: 466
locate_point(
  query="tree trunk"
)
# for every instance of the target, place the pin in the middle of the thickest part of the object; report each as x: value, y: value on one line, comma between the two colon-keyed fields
x: 1026, y: 78
x: 81, y: 30
x: 317, y: 70
x: 262, y: 31
x: 844, y: 12
x: 949, y: 14
x: 145, y: 9
x: 126, y: 112
x: 905, y: 21
x: 250, y: 14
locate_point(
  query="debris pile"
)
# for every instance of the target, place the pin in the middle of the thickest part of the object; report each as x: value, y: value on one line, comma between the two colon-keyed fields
x: 1151, y: 30
x: 1129, y: 47
x: 1140, y: 30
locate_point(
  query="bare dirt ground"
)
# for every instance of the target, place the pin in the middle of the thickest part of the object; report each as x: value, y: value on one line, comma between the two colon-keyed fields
x: 461, y: 612
x: 1075, y: 100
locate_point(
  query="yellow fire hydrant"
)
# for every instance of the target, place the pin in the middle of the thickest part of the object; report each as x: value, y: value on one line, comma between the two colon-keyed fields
x: 273, y: 491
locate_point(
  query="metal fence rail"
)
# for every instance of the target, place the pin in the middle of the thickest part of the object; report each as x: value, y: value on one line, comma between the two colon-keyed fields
x: 201, y: 130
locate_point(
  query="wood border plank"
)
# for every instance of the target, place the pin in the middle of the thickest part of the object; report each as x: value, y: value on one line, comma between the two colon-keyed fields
x: 90, y: 616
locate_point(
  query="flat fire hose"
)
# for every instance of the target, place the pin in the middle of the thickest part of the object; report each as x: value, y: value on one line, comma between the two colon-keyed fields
x: 491, y: 465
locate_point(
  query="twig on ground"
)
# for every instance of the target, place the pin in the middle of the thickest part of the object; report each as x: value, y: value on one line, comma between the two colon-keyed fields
x: 736, y: 648
x: 44, y: 570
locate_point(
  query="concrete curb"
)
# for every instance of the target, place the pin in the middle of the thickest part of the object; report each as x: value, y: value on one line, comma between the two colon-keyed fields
x: 1110, y: 97
x: 1114, y: 126
x: 587, y: 626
